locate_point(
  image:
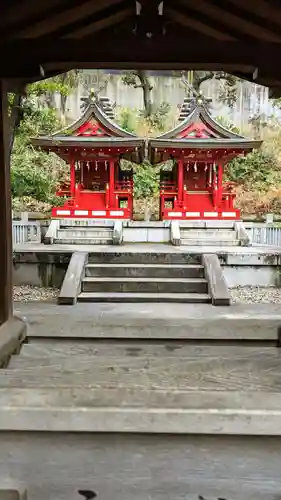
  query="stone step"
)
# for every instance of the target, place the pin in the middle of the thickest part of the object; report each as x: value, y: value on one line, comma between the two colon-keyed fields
x: 84, y: 241
x: 145, y: 270
x: 83, y: 363
x: 151, y: 321
x: 144, y: 258
x: 251, y: 374
x: 209, y: 242
x: 207, y: 224
x: 217, y: 234
x: 88, y: 232
x: 233, y: 417
x: 49, y: 348
x: 145, y: 285
x: 191, y: 298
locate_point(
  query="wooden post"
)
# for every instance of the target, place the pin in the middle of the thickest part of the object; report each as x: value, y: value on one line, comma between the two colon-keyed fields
x: 215, y: 188
x: 72, y: 178
x: 180, y: 180
x: 112, y: 182
x: 220, y: 175
x: 6, y: 244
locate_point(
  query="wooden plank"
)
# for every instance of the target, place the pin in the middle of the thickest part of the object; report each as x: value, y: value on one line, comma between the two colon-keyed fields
x: 240, y: 374
x: 152, y: 321
x: 64, y: 348
x: 132, y: 409
x: 71, y: 286
x: 84, y: 362
x: 119, y: 397
x: 142, y: 467
x: 166, y: 51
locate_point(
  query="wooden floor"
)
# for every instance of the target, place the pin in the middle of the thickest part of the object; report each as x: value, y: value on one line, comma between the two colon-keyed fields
x: 142, y: 418
x: 142, y: 387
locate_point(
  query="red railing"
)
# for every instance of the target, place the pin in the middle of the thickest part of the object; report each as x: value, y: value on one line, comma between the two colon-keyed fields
x: 168, y: 187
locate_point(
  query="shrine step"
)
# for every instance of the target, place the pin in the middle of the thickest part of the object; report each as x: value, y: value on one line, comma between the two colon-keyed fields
x: 144, y: 277
x: 90, y: 235
x: 209, y: 242
x: 47, y: 350
x: 222, y: 234
x: 137, y: 357
x: 145, y: 270
x: 145, y: 285
x: 209, y: 236
x: 188, y: 298
x: 140, y: 258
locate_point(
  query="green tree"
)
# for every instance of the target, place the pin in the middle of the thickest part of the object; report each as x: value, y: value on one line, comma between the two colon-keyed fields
x: 39, y: 95
x: 34, y: 173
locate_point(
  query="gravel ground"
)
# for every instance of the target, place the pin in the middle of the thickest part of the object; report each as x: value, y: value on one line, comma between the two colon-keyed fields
x: 256, y: 295
x: 28, y: 293
x: 242, y: 295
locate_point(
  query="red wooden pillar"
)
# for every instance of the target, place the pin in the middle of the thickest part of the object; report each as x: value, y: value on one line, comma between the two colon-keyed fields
x: 180, y: 180
x: 112, y: 183
x: 72, y: 178
x: 6, y: 243
x: 215, y: 187
x: 219, y: 183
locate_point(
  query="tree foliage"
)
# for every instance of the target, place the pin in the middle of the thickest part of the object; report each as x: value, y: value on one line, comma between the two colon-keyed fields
x: 34, y: 173
x: 146, y: 181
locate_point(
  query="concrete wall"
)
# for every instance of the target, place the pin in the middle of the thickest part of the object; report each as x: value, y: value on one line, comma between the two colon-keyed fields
x: 54, y: 466
x: 251, y: 99
x: 137, y: 232
x: 39, y: 268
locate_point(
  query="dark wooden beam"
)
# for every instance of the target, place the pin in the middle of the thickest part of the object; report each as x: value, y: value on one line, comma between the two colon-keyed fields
x: 67, y: 16
x: 219, y: 11
x: 24, y: 11
x: 98, y: 25
x: 191, y: 21
x: 260, y: 12
x: 104, y: 51
x: 6, y: 246
x: 262, y: 8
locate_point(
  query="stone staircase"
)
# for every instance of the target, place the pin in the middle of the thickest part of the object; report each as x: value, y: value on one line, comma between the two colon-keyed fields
x: 129, y: 276
x: 210, y: 234
x: 98, y: 234
x: 134, y: 277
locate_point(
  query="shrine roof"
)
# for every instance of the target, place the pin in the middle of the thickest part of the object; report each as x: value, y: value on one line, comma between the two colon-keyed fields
x: 200, y: 130
x: 92, y: 129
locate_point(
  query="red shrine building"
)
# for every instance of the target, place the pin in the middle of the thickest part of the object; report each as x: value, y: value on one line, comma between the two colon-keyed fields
x: 93, y: 147
x: 200, y: 149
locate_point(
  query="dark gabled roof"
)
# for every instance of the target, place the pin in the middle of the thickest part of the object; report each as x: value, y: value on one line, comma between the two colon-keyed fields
x: 93, y: 130
x: 64, y: 141
x: 200, y: 131
x: 93, y: 113
x: 200, y: 115
x: 92, y: 127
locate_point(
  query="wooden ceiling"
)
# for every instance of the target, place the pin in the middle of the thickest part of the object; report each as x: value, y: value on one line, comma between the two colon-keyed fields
x: 40, y: 38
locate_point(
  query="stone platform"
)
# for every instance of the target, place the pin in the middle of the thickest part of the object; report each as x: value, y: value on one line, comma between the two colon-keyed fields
x: 158, y: 322
x: 38, y: 264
